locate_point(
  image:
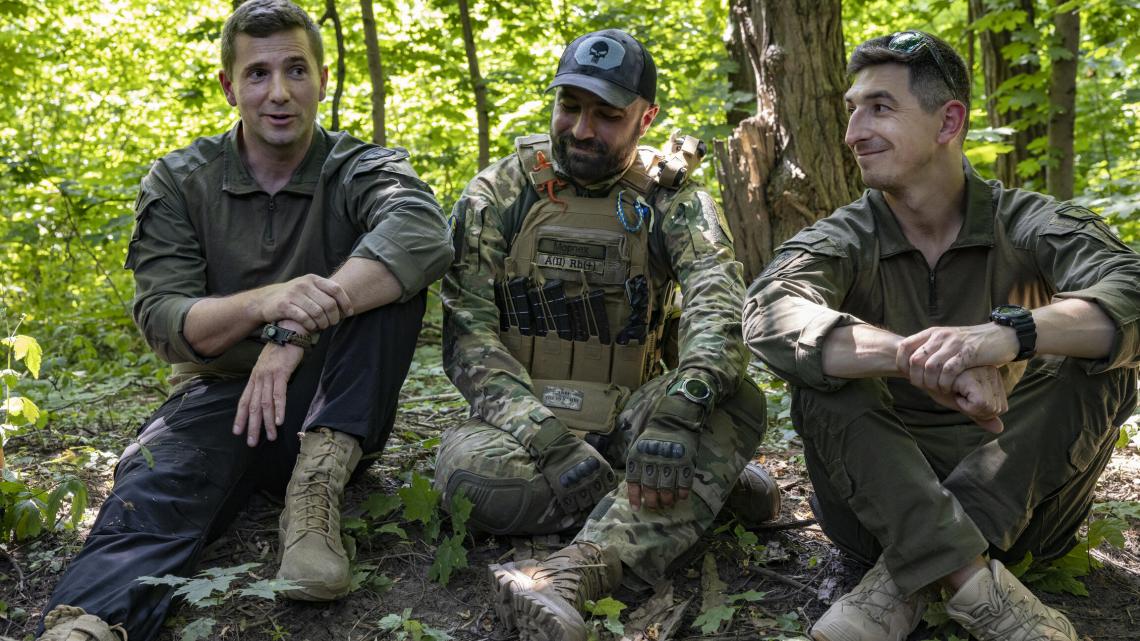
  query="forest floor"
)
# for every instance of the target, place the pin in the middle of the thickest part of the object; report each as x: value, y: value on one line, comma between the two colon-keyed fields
x: 770, y: 583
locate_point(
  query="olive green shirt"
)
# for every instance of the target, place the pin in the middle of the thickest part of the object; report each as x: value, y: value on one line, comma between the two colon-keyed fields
x: 856, y: 266
x: 204, y: 227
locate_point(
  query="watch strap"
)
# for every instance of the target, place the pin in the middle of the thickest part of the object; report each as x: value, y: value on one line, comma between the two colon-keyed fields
x: 1025, y: 328
x: 271, y: 333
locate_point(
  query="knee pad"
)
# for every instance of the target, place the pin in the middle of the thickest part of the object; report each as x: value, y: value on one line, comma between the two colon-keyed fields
x: 503, y: 505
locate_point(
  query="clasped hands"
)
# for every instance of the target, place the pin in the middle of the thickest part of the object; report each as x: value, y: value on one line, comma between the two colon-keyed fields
x: 304, y: 304
x: 958, y: 367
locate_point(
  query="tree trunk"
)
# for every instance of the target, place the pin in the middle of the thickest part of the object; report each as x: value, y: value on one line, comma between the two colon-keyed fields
x: 997, y: 70
x: 1063, y: 103
x: 786, y: 167
x: 477, y: 83
x: 375, y: 72
x: 331, y: 14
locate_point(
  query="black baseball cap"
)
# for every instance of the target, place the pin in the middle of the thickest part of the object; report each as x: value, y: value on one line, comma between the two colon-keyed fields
x: 611, y: 64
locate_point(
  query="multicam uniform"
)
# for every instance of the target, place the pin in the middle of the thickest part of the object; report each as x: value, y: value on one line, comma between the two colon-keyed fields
x: 897, y: 473
x: 507, y: 230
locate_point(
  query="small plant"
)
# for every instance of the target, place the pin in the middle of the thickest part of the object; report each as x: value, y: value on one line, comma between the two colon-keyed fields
x: 421, y: 503
x: 26, y: 511
x: 215, y: 586
x: 606, y: 613
x: 402, y: 627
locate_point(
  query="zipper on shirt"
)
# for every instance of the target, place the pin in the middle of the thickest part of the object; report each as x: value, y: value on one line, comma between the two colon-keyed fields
x: 932, y: 299
x: 269, y: 220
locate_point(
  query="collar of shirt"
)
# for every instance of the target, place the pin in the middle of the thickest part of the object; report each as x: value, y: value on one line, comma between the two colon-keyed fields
x: 238, y: 180
x: 977, y: 229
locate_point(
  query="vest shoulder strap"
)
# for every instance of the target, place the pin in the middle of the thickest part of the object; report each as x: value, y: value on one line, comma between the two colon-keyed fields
x: 534, y: 155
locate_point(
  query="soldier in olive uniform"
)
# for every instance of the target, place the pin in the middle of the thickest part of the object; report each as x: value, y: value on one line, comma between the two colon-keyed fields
x: 961, y: 356
x: 557, y: 309
x: 246, y: 246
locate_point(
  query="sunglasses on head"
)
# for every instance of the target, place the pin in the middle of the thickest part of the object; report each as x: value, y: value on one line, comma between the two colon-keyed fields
x: 912, y: 41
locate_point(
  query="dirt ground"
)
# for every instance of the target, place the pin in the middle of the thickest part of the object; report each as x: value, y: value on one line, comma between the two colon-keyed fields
x: 792, y: 563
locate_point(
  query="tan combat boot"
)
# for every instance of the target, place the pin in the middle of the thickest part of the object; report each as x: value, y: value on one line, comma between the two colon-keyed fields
x: 312, y: 554
x: 876, y: 610
x: 69, y: 623
x: 994, y: 606
x: 755, y: 498
x: 544, y: 600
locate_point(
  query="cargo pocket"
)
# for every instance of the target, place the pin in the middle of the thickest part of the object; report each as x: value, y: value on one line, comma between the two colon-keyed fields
x: 521, y: 347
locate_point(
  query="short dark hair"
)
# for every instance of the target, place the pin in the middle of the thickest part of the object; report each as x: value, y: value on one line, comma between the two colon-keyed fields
x: 262, y: 18
x: 937, y: 72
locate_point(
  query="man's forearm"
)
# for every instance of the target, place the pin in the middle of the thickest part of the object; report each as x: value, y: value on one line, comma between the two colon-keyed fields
x: 1074, y: 327
x: 368, y: 283
x: 213, y: 325
x: 860, y: 351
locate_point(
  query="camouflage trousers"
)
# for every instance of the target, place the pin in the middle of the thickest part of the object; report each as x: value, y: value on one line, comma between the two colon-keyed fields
x: 512, y: 496
x: 930, y: 495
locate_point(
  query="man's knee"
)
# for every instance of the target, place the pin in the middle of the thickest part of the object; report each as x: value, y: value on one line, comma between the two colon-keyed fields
x: 492, y: 471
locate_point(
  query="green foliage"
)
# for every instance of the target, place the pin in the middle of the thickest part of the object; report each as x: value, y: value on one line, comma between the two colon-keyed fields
x: 608, y: 612
x: 1064, y: 574
x: 421, y: 504
x: 25, y: 510
x: 216, y: 586
x: 402, y: 627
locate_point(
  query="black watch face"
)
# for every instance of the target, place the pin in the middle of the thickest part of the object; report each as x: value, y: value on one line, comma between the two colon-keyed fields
x: 1010, y: 310
x: 697, y: 389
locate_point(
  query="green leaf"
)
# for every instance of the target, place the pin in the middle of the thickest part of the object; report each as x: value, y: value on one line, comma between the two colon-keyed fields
x: 21, y: 411
x: 74, y: 488
x: 607, y: 607
x: 420, y: 500
x: 460, y: 511
x: 28, y: 350
x: 198, y: 629
x: 744, y: 537
x: 198, y: 591
x: 393, y: 528
x: 146, y: 454
x: 233, y: 571
x: 9, y: 377
x: 751, y: 596
x: 267, y: 588
x: 390, y: 622
x: 449, y: 556
x: 168, y: 579
x: 378, y: 506
x: 712, y: 619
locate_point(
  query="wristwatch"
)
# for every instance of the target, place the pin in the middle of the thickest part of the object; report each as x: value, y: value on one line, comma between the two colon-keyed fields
x: 276, y: 334
x: 1021, y: 320
x: 693, y: 389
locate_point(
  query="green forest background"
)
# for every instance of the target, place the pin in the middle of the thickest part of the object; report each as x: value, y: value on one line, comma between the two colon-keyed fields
x: 92, y: 91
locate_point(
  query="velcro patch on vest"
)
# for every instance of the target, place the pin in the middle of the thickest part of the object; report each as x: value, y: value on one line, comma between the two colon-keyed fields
x: 566, y: 398
x: 558, y: 253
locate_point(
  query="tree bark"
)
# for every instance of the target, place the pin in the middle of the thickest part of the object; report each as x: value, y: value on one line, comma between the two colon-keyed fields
x: 480, y: 87
x: 1063, y: 105
x: 375, y: 72
x: 331, y: 14
x: 997, y: 70
x: 786, y: 166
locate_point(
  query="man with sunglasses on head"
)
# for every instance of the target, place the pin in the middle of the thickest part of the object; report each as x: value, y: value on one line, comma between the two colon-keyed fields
x: 961, y: 357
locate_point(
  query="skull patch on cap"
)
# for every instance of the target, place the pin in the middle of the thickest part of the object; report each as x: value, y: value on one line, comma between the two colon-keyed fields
x: 601, y: 52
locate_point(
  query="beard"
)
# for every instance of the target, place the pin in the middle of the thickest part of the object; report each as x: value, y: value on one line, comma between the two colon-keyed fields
x: 604, y: 161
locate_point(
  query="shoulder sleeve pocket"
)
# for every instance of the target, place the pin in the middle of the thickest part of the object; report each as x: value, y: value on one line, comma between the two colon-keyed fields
x: 1074, y: 219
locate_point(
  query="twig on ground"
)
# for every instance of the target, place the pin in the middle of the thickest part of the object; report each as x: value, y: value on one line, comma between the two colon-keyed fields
x: 15, y: 566
x: 776, y: 576
x: 790, y: 525
x: 439, y: 398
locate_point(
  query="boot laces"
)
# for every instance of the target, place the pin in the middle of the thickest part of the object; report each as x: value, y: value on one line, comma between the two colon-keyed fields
x: 316, y: 496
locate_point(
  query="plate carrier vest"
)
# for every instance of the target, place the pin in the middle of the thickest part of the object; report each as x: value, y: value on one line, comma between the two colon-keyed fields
x: 596, y: 247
